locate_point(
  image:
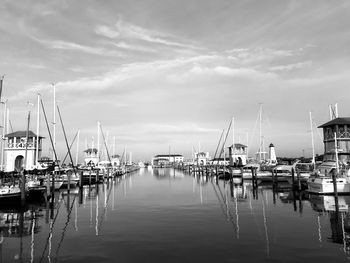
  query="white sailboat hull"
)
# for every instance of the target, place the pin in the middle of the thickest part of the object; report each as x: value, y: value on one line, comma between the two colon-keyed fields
x: 324, y: 185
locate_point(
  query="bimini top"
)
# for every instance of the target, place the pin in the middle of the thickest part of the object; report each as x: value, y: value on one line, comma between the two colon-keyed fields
x: 336, y: 121
x: 22, y: 134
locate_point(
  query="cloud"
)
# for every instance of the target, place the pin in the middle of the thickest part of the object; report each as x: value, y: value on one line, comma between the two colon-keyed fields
x: 66, y: 45
x: 124, y: 45
x: 129, y: 31
x: 259, y: 55
x: 106, y: 31
x: 290, y: 67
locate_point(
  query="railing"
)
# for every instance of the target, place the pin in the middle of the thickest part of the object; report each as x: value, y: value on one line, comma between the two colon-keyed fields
x: 340, y: 135
x: 20, y: 145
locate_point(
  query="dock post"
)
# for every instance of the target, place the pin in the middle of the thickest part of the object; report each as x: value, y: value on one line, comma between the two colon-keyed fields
x: 97, y: 178
x: 293, y: 178
x: 276, y: 177
x: 23, y: 188
x: 68, y: 186
x: 90, y: 177
x: 81, y: 179
x: 334, y: 178
x: 299, y: 183
x: 53, y: 185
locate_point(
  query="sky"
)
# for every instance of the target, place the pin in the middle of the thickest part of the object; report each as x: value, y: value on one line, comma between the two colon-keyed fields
x: 167, y: 76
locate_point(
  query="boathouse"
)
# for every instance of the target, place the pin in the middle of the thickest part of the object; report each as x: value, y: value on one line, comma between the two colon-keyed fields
x: 336, y: 136
x: 115, y: 159
x: 201, y: 158
x: 91, y: 157
x: 238, y: 154
x: 166, y: 159
x: 15, y: 147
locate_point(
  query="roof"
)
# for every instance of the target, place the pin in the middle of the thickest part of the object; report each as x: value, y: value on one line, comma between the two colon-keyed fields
x: 336, y: 121
x: 239, y: 145
x: 168, y: 155
x: 21, y: 134
x: 91, y: 150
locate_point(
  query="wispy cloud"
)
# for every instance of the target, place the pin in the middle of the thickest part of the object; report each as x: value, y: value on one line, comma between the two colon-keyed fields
x: 126, y: 30
x: 290, y: 67
x: 66, y: 45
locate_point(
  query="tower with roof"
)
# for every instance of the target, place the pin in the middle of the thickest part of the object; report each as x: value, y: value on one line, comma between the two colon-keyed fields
x: 336, y: 139
x: 15, y: 147
x: 91, y: 157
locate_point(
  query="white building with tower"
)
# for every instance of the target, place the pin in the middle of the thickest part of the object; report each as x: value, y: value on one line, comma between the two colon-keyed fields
x: 201, y: 158
x: 91, y: 157
x: 238, y: 154
x: 15, y: 148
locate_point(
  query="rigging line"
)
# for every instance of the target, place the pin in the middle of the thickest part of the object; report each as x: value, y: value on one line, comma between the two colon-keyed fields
x: 228, y: 208
x: 223, y: 209
x: 70, y: 147
x: 254, y: 215
x: 217, y: 147
x: 317, y: 130
x: 48, y: 130
x: 221, y: 205
x: 105, y: 208
x: 251, y: 139
x: 227, y: 133
x: 104, y: 140
x: 265, y: 226
x: 51, y: 230
x: 65, y: 228
x: 65, y: 138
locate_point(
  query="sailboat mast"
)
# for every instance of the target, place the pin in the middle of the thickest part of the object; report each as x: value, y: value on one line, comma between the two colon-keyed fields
x: 113, y: 146
x: 98, y: 141
x: 233, y: 133
x: 77, y: 153
x: 312, y: 140
x: 260, y: 133
x: 336, y: 152
x: 37, y: 131
x: 54, y: 116
x: 3, y: 136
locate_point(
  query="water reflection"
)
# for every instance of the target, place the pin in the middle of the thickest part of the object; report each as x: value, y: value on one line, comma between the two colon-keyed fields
x: 201, y: 217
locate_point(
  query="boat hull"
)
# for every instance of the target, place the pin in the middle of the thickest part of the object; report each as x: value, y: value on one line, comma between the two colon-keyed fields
x: 325, y: 185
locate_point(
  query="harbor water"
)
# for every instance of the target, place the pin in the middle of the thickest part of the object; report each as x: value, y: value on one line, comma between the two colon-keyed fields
x: 166, y: 215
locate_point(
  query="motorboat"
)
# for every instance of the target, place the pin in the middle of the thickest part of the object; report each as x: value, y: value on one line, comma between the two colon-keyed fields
x: 321, y: 181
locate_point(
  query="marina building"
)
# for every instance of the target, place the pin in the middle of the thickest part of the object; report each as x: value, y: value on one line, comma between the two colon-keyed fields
x: 238, y: 154
x: 15, y: 148
x: 336, y: 139
x: 166, y: 159
x: 201, y: 158
x: 91, y: 157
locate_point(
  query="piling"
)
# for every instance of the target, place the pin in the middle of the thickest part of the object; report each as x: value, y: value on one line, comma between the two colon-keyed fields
x: 90, y: 177
x: 298, y: 178
x: 334, y: 178
x: 81, y: 179
x: 23, y: 188
x: 273, y: 177
x: 97, y: 177
x: 68, y: 186
x: 293, y: 177
x: 53, y: 184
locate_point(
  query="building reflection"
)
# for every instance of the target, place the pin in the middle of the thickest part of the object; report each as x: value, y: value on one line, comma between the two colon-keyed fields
x: 337, y: 210
x: 167, y: 173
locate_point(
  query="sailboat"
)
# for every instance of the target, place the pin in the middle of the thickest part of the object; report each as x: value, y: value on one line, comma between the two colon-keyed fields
x: 333, y: 175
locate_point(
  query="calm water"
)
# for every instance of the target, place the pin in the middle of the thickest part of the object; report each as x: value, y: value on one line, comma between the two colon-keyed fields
x: 166, y: 216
